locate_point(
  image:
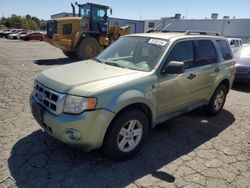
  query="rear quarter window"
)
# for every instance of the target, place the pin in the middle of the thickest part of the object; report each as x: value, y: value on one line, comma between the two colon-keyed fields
x: 225, y: 49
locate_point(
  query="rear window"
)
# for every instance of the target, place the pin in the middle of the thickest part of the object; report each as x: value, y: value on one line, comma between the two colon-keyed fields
x: 225, y: 50
x: 206, y: 53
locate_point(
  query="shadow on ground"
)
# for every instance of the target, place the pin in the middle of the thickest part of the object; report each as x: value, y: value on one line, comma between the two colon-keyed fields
x: 59, y: 61
x: 38, y: 160
x: 242, y: 87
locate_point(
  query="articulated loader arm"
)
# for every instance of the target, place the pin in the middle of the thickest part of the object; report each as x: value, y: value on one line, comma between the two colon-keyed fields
x: 115, y: 32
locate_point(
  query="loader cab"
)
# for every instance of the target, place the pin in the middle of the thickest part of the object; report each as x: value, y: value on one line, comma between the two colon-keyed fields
x: 97, y: 15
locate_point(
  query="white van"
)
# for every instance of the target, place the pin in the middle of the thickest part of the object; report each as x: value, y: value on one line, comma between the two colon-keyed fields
x: 235, y: 43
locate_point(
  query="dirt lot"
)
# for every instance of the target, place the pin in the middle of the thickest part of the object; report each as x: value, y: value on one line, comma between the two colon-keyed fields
x: 192, y: 150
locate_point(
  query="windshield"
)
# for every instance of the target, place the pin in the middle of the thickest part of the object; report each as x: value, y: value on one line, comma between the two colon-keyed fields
x: 243, y: 52
x: 138, y: 53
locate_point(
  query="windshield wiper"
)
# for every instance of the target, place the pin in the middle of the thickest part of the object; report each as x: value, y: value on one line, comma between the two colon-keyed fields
x: 114, y: 64
x: 108, y: 62
x: 99, y: 60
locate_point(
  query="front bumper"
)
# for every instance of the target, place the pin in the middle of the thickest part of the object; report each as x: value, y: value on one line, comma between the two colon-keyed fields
x: 243, y: 78
x: 90, y: 127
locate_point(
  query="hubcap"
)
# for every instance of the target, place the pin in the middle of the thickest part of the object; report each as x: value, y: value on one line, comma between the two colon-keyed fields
x: 129, y: 136
x: 90, y: 50
x: 219, y: 100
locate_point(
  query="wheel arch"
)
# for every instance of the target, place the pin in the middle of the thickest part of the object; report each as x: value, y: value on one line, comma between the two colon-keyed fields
x: 139, y: 106
x: 85, y: 34
x: 225, y: 82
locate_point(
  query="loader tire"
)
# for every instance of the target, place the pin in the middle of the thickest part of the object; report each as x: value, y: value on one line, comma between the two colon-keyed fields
x: 88, y: 48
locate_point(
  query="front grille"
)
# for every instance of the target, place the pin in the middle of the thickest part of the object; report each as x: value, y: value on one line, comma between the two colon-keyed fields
x: 51, y: 100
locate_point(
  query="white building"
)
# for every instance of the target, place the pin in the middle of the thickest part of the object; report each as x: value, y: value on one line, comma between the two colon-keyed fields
x: 238, y: 28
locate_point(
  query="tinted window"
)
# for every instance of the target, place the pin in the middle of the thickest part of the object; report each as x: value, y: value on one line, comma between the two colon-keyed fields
x: 151, y: 24
x: 184, y: 52
x: 225, y: 50
x: 206, y: 53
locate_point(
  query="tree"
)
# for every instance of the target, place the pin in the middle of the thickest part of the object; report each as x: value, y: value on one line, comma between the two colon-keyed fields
x: 36, y: 20
x: 15, y: 21
x: 30, y: 24
x: 28, y: 17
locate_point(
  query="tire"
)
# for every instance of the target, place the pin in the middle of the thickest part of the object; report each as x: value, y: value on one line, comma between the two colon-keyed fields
x: 88, y: 48
x: 119, y: 147
x: 71, y: 55
x: 217, y: 100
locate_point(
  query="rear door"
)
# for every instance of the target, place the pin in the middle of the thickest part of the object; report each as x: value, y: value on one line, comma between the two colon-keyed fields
x: 207, y: 61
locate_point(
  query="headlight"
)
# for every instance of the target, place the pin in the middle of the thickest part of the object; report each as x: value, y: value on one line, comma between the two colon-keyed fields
x: 76, y: 105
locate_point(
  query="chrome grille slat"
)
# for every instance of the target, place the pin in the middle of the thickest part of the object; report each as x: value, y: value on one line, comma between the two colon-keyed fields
x: 49, y: 99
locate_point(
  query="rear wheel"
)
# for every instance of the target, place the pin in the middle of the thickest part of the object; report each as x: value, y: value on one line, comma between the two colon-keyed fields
x: 127, y: 134
x: 217, y: 100
x: 71, y: 55
x: 88, y: 48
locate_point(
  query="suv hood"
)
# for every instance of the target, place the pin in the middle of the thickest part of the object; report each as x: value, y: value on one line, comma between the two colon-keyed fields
x: 83, y: 77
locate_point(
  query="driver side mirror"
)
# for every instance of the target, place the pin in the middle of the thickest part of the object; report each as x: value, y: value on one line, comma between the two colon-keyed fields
x: 173, y: 67
x: 110, y: 10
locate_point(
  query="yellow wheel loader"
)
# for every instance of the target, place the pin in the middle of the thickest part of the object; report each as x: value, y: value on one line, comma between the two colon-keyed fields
x: 84, y: 35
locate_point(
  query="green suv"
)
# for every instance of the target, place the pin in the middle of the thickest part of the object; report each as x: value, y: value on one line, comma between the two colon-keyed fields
x: 114, y: 100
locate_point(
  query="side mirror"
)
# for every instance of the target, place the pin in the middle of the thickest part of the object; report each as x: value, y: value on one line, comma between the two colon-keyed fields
x: 173, y: 67
x: 110, y: 10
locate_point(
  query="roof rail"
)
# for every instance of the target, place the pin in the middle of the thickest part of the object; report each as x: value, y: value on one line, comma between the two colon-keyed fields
x: 190, y: 32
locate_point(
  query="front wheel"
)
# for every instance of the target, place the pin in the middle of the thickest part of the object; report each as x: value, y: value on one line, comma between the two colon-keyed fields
x: 127, y: 134
x: 88, y: 48
x: 217, y: 100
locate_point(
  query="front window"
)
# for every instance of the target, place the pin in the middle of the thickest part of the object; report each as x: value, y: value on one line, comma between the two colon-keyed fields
x: 138, y: 53
x: 84, y: 11
x: 99, y: 14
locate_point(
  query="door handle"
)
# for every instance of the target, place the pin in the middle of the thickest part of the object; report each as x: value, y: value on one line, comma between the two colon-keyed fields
x: 217, y: 69
x: 191, y: 76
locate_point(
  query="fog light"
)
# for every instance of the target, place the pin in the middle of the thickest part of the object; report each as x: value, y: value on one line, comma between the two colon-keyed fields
x: 72, y: 135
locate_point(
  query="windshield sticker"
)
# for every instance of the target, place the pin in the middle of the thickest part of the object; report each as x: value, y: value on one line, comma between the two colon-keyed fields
x: 157, y: 42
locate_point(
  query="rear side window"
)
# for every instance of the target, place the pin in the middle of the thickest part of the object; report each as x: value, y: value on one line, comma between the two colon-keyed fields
x: 206, y: 53
x: 225, y: 50
x: 183, y: 52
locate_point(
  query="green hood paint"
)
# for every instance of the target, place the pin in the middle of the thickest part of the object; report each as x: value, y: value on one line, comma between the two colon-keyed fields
x: 68, y: 78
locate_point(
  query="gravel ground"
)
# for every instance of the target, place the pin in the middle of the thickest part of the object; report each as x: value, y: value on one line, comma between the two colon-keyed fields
x: 192, y: 150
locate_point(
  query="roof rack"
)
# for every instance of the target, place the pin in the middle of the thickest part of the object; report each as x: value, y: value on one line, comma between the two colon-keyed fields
x: 190, y: 32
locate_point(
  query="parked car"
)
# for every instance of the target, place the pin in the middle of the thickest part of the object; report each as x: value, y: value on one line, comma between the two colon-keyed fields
x: 235, y: 43
x: 141, y: 80
x: 33, y: 36
x: 19, y: 34
x: 6, y: 33
x: 3, y: 31
x: 242, y: 58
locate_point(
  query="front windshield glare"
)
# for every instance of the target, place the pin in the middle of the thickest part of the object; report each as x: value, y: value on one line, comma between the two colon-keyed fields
x: 243, y: 52
x: 138, y: 53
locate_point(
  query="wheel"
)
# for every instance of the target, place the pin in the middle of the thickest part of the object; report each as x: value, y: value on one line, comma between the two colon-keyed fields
x: 217, y: 100
x: 71, y: 55
x: 88, y: 48
x: 127, y: 134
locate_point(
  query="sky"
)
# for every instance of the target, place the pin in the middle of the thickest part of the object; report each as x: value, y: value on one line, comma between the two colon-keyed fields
x: 133, y: 9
